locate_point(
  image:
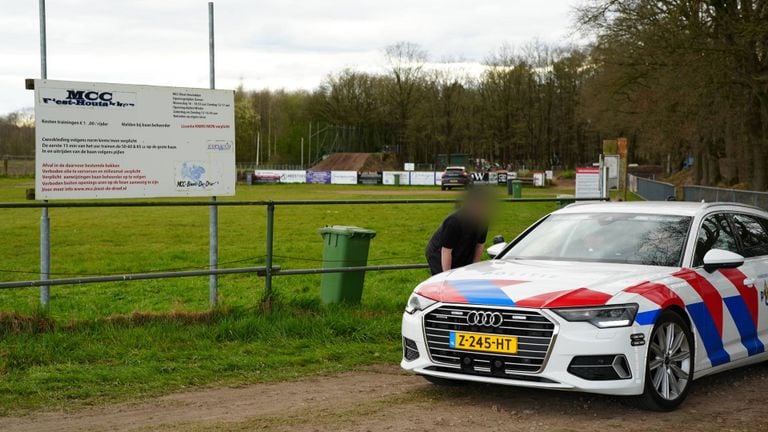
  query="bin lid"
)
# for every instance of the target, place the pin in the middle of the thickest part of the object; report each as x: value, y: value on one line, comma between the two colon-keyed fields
x: 349, y: 231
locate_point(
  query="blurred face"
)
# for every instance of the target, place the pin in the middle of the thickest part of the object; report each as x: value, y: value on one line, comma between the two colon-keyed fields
x: 478, y: 207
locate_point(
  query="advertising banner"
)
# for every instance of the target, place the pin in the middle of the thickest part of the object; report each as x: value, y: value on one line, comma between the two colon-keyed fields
x: 266, y: 177
x: 370, y: 178
x: 281, y: 176
x: 344, y: 177
x: 422, y: 178
x: 319, y: 177
x: 388, y: 177
x: 98, y: 140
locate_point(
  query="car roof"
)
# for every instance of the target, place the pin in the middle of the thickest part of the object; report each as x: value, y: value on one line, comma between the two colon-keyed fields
x: 454, y: 168
x: 677, y: 208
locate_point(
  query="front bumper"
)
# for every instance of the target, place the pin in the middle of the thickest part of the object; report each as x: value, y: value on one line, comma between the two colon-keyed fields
x: 571, y: 339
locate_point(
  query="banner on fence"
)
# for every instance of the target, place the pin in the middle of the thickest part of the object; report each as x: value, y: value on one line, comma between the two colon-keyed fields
x: 501, y: 178
x: 423, y: 178
x: 98, y: 140
x: 370, y: 178
x: 282, y: 176
x: 319, y: 177
x: 588, y: 182
x: 344, y: 177
x: 388, y: 177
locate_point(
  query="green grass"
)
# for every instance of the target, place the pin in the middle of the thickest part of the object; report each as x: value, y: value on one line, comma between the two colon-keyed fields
x: 125, y: 340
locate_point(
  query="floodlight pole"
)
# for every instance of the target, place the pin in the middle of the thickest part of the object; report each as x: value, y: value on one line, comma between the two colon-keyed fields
x: 45, y: 222
x: 213, y: 228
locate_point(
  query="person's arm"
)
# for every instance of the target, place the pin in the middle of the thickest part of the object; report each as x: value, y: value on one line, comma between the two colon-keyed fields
x: 478, y: 252
x: 446, y: 258
x: 481, y: 238
x: 451, y: 236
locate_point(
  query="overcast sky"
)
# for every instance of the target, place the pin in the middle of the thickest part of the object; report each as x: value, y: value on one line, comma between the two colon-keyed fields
x: 276, y: 44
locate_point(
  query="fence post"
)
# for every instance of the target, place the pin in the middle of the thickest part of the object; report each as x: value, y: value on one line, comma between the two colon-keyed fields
x: 5, y: 166
x: 267, y: 300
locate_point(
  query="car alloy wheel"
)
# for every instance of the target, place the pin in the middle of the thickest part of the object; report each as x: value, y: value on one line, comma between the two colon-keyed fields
x: 669, y: 369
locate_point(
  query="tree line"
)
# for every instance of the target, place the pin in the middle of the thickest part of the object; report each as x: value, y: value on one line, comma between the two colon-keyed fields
x: 523, y: 110
x: 684, y: 80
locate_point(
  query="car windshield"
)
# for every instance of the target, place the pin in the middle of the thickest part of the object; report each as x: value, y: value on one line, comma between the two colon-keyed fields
x: 644, y: 239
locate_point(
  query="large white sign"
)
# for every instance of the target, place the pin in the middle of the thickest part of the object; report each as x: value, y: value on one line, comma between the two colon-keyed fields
x: 97, y: 140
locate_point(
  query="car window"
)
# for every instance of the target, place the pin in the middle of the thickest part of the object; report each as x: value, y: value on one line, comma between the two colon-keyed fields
x: 754, y: 239
x: 606, y: 237
x: 714, y: 233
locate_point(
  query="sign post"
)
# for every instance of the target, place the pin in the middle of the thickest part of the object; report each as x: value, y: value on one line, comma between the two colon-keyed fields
x: 213, y: 228
x: 45, y: 222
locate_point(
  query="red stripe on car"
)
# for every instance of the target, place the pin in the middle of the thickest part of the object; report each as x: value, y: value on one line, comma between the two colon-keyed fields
x: 712, y: 298
x: 442, y: 292
x: 749, y: 294
x: 566, y: 298
x: 657, y: 293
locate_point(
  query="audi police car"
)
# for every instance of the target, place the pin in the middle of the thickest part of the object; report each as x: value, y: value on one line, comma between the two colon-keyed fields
x: 630, y: 299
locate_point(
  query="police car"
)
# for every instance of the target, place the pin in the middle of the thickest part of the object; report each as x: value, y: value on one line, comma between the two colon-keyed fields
x: 630, y: 299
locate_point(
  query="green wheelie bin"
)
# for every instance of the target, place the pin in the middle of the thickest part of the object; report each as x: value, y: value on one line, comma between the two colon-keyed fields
x: 344, y: 246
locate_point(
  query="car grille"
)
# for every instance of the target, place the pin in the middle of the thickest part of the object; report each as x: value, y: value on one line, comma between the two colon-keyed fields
x: 534, y: 334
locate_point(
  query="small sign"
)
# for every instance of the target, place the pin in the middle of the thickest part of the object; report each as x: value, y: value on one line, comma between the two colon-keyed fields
x: 409, y: 166
x: 549, y: 174
x: 538, y: 179
x: 588, y: 182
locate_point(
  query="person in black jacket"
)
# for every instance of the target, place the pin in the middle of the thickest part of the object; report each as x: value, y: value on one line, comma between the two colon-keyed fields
x: 460, y: 239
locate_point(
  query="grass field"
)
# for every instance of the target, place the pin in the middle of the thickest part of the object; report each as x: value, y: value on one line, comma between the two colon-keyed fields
x: 133, y: 339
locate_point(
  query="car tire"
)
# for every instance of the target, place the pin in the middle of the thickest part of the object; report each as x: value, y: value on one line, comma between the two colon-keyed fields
x: 669, y: 364
x: 444, y: 382
x: 442, y: 188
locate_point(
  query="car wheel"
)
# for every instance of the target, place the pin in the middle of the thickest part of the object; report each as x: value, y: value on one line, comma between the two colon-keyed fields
x: 444, y: 382
x: 442, y: 188
x: 669, y: 364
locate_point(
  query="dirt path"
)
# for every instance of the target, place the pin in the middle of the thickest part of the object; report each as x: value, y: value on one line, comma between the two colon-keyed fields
x: 383, y: 398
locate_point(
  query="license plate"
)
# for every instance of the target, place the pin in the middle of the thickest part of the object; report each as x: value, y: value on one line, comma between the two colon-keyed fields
x: 483, y: 342
x: 454, y: 181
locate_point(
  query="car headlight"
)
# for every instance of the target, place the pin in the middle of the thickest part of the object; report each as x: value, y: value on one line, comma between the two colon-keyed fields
x: 417, y: 303
x: 603, y: 316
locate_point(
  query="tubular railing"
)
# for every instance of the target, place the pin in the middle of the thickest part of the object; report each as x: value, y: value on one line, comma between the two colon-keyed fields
x: 269, y: 270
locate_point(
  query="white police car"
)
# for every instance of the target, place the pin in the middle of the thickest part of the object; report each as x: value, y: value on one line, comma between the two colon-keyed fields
x: 633, y: 299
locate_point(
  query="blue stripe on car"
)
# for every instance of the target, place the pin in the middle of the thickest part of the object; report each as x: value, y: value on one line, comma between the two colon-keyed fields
x: 710, y: 337
x: 743, y: 319
x: 647, y: 317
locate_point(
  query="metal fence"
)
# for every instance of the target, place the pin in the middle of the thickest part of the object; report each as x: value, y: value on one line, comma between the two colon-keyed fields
x: 713, y: 194
x: 269, y: 270
x: 652, y: 190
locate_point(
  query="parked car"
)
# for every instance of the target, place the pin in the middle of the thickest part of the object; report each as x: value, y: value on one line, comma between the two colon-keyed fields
x: 628, y: 299
x: 455, y: 176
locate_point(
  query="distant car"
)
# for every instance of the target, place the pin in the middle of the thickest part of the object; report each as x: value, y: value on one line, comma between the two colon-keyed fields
x: 455, y: 176
x: 626, y: 299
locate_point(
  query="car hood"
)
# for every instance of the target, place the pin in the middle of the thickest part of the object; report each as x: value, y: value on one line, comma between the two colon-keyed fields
x: 535, y: 283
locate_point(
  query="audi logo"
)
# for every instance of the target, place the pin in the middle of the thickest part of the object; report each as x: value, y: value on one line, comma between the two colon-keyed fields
x: 485, y: 319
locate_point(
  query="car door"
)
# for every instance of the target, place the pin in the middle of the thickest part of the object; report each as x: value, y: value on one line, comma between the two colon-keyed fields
x: 752, y: 233
x: 717, y: 307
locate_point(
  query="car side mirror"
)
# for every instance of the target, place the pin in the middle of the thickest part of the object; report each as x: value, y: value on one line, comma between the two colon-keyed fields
x: 498, y: 239
x: 496, y: 249
x: 719, y: 258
